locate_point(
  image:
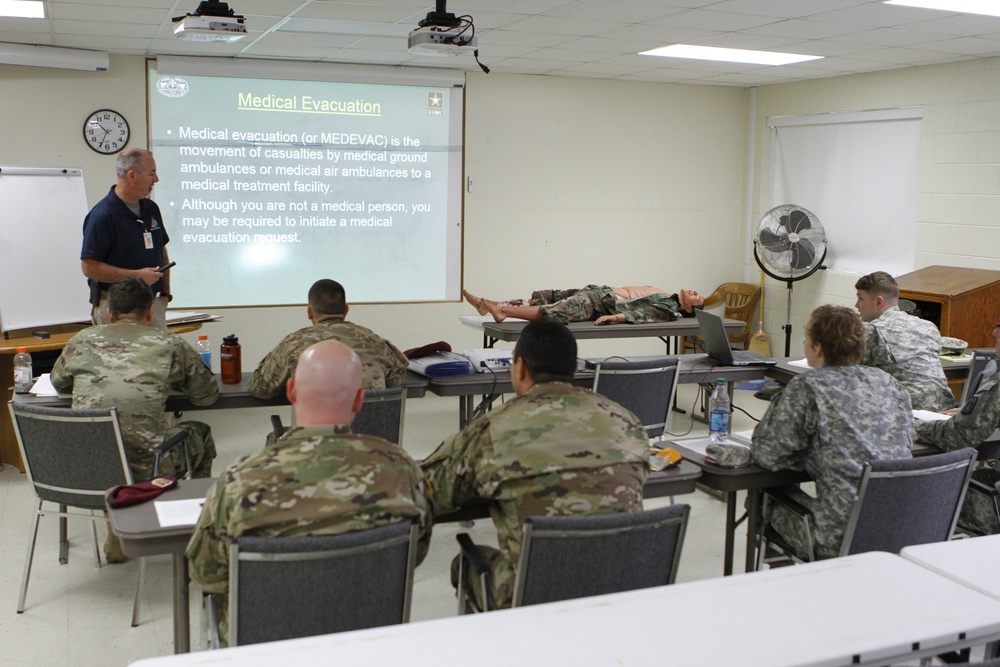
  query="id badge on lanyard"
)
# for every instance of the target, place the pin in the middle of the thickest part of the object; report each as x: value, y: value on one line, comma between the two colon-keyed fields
x: 147, y: 237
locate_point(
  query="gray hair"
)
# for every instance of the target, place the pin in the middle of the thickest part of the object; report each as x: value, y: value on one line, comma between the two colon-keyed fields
x: 129, y: 160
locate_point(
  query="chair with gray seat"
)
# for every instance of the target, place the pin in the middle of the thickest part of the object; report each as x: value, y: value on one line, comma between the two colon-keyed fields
x: 644, y: 386
x: 567, y: 557
x: 287, y: 587
x: 899, y: 503
x: 72, y: 457
x: 381, y: 415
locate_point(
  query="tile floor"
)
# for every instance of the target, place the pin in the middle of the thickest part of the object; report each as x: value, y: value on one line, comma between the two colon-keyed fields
x: 78, y: 615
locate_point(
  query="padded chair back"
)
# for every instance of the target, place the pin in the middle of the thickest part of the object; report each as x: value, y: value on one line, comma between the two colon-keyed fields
x: 646, y: 387
x: 566, y: 557
x: 287, y: 587
x: 903, y: 502
x: 977, y: 364
x: 741, y: 301
x: 382, y: 414
x: 71, y: 456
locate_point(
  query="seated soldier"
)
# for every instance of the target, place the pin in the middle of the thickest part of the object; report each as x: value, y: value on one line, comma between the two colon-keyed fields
x: 906, y: 347
x: 555, y: 449
x: 384, y: 365
x: 969, y: 426
x: 317, y: 479
x: 132, y: 365
x: 830, y: 421
x: 598, y: 303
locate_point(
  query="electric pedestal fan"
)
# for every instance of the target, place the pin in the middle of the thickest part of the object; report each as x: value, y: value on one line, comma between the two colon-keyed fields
x: 790, y: 245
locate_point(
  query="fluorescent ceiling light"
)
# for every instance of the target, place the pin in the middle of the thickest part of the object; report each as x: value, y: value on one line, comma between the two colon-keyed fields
x: 349, y: 28
x: 727, y: 55
x: 26, y: 9
x: 987, y: 7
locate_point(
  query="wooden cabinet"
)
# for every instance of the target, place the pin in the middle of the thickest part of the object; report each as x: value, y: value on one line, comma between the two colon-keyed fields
x: 963, y: 303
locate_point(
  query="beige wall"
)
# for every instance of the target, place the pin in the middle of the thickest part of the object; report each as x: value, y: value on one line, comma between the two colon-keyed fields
x: 958, y: 211
x: 574, y: 181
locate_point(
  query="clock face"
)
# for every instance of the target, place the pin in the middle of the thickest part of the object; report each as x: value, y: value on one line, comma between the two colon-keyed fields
x: 106, y: 131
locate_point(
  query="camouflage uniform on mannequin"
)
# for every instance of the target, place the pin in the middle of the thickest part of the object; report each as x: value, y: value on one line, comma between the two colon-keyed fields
x: 969, y: 427
x: 384, y: 365
x: 318, y: 479
x: 555, y: 449
x: 830, y: 421
x: 598, y: 303
x: 906, y: 347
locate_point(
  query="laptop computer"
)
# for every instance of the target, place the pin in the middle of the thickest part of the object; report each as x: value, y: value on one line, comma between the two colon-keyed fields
x: 713, y: 332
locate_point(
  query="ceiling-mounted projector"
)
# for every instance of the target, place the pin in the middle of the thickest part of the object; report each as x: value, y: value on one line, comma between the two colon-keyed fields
x: 436, y: 40
x: 211, y: 22
x: 443, y: 34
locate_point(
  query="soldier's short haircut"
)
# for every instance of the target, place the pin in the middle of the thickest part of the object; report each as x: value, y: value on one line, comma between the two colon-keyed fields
x: 327, y: 297
x: 129, y: 160
x: 129, y: 296
x: 548, y: 351
x: 880, y: 284
x: 840, y: 332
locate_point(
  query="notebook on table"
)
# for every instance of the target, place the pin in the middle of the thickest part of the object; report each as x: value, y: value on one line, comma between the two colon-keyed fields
x: 713, y: 332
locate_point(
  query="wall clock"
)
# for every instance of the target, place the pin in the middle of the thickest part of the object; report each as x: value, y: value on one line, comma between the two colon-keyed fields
x: 106, y: 131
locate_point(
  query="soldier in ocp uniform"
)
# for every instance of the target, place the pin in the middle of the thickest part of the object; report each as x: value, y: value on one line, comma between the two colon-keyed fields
x: 555, y: 449
x: 830, y: 421
x: 317, y: 479
x: 906, y: 347
x: 384, y: 365
x: 969, y: 426
x: 132, y: 365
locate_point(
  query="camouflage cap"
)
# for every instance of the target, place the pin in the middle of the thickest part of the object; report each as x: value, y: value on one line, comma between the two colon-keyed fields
x: 729, y: 454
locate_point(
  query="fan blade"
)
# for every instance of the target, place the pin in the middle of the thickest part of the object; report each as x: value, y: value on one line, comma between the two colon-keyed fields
x: 798, y: 221
x: 803, y: 254
x: 772, y: 241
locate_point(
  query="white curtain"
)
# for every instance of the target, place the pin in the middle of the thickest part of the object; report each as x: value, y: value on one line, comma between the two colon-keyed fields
x: 858, y: 173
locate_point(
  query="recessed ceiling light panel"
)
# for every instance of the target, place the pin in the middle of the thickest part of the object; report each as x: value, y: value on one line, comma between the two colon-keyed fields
x: 985, y: 7
x: 692, y: 52
x: 25, y: 9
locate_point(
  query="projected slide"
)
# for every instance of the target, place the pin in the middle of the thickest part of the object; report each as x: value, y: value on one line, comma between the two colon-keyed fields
x: 269, y: 184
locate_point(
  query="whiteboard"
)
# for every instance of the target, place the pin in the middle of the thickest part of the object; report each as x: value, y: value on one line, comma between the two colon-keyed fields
x: 41, y: 233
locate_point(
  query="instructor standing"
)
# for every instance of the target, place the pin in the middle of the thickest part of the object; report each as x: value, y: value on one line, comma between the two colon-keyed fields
x: 123, y: 235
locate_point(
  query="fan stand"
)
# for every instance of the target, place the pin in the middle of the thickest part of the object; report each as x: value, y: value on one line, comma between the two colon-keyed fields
x: 767, y: 393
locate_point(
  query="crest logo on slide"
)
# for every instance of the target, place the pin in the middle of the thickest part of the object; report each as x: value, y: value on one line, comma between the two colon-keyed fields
x: 172, y: 86
x: 435, y: 103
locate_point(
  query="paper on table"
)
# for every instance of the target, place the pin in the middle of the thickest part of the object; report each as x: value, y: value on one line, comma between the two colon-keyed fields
x: 699, y: 445
x: 43, y: 386
x: 799, y: 362
x: 928, y: 416
x: 171, y: 513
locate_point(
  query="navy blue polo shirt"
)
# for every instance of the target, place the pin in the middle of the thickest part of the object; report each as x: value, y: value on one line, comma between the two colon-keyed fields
x: 112, y: 234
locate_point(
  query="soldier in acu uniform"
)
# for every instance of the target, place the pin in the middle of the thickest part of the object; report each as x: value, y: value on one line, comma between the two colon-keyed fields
x: 555, y: 449
x: 969, y: 426
x: 317, y: 479
x: 830, y: 421
x: 384, y: 365
x: 906, y: 347
x: 132, y: 366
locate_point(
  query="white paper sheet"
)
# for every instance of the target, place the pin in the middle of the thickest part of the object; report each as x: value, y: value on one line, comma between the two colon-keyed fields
x: 43, y: 386
x: 928, y: 416
x: 171, y: 513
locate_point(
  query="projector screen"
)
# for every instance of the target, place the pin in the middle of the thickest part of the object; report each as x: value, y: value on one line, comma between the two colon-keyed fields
x: 275, y: 174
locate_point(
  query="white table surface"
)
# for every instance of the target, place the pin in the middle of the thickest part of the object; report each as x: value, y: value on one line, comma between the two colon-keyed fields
x: 876, y: 607
x: 972, y: 562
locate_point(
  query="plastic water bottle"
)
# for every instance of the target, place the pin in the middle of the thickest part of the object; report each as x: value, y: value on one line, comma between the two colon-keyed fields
x: 22, y: 371
x: 204, y: 349
x: 229, y: 360
x: 719, y: 413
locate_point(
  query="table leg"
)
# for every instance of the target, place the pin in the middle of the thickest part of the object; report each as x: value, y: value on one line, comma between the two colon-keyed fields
x: 465, y: 408
x: 182, y: 620
x: 727, y: 568
x: 753, y: 524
